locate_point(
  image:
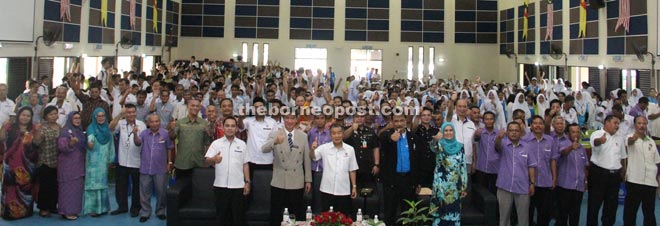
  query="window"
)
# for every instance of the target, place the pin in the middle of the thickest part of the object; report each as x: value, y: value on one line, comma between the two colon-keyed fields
x: 245, y: 52
x: 628, y: 79
x: 363, y: 60
x: 124, y: 63
x: 92, y: 66
x: 420, y: 63
x: 431, y: 60
x: 265, y: 54
x: 311, y: 58
x: 580, y: 74
x: 3, y: 70
x: 148, y: 64
x: 255, y: 54
x: 59, y: 69
x: 409, y: 72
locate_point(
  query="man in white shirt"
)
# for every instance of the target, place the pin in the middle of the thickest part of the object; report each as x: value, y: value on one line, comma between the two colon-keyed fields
x: 567, y: 110
x: 258, y: 127
x: 339, y: 172
x: 6, y: 105
x: 63, y: 106
x: 121, y: 96
x: 236, y: 99
x: 193, y: 62
x: 43, y: 86
x: 627, y: 125
x: 129, y: 159
x: 105, y: 74
x: 465, y: 130
x: 229, y: 157
x: 641, y: 172
x: 605, y: 174
x: 181, y: 109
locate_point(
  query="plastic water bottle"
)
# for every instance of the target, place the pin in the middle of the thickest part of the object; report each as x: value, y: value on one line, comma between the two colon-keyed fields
x: 285, y: 217
x: 358, y: 218
x: 308, y: 214
x: 376, y: 219
x: 331, y: 209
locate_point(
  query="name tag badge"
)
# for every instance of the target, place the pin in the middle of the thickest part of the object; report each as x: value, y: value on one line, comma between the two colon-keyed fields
x: 294, y: 146
x: 547, y: 150
x: 237, y: 150
x: 267, y: 128
x: 161, y: 141
x: 523, y: 155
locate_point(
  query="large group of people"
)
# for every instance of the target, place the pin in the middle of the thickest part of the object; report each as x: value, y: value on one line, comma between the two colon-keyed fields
x: 328, y: 139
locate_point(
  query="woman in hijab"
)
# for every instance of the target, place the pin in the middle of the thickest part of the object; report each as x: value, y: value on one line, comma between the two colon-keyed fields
x: 492, y: 104
x: 519, y: 103
x: 449, y: 179
x: 584, y: 108
x: 71, y: 168
x: 20, y: 167
x: 634, y: 97
x: 542, y: 103
x: 100, y: 153
x: 46, y: 139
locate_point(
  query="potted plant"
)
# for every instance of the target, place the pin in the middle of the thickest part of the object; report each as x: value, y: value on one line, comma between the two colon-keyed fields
x: 416, y: 216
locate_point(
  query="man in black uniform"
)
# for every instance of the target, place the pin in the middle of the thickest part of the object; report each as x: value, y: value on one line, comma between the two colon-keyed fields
x: 425, y: 132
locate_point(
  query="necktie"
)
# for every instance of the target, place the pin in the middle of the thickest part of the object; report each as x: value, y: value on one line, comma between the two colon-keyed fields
x: 290, y: 139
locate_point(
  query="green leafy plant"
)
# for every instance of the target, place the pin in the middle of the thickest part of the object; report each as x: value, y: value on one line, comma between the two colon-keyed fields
x: 416, y: 216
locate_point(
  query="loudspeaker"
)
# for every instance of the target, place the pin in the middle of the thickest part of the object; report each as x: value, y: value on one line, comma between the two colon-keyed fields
x: 597, y: 4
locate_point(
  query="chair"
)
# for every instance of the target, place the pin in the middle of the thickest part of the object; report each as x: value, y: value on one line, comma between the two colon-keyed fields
x: 192, y: 202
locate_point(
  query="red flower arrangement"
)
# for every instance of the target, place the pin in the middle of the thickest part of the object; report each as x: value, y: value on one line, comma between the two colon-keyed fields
x: 332, y: 219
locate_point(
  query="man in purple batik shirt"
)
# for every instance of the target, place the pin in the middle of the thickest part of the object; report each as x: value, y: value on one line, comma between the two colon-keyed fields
x: 543, y: 147
x: 571, y: 177
x: 317, y: 136
x: 516, y: 176
x: 155, y: 162
x: 640, y: 108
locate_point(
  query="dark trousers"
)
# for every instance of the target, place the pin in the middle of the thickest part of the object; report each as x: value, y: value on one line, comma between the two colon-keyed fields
x: 254, y: 167
x: 47, y: 178
x: 486, y: 180
x: 569, y: 206
x: 541, y: 203
x: 603, y: 190
x: 182, y: 174
x: 316, y: 193
x: 340, y: 204
x: 284, y: 198
x: 636, y: 194
x: 121, y: 191
x: 230, y: 206
x: 400, y: 188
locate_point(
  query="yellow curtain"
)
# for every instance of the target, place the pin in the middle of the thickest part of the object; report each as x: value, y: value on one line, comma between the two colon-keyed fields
x: 525, y: 20
x: 155, y: 15
x: 583, y: 19
x: 104, y: 12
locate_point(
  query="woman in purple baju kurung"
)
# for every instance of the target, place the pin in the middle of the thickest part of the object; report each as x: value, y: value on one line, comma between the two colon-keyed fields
x: 71, y: 167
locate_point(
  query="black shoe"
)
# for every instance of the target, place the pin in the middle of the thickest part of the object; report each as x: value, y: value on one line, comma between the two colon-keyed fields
x: 118, y: 211
x: 135, y: 213
x: 143, y: 219
x: 162, y: 217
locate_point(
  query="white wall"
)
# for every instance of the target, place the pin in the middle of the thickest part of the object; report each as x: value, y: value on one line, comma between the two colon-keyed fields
x: 507, y: 70
x: 27, y: 49
x: 462, y: 60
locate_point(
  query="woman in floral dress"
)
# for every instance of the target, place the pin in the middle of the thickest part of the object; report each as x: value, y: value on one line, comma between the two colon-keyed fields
x: 20, y: 167
x: 450, y: 178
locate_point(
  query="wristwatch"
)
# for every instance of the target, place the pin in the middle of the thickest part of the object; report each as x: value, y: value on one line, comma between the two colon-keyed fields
x: 247, y: 181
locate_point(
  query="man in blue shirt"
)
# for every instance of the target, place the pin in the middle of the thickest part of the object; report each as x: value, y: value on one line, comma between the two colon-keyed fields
x: 398, y: 153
